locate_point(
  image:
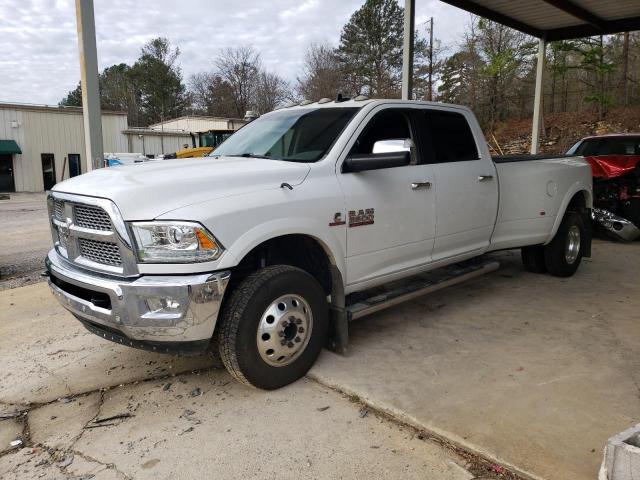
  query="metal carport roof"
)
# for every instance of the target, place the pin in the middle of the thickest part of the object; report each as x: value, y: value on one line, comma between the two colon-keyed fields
x: 558, y: 19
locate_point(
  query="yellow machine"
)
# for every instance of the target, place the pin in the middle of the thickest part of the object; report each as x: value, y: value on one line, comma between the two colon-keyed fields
x: 194, y: 152
x: 207, y: 141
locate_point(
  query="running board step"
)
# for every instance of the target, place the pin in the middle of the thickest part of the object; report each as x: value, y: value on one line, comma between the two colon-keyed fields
x: 417, y: 286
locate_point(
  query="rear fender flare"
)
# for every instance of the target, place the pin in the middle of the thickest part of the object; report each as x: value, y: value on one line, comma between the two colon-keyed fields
x: 577, y: 187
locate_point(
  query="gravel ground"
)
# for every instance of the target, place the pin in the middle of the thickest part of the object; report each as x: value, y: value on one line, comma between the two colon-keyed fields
x: 25, y: 239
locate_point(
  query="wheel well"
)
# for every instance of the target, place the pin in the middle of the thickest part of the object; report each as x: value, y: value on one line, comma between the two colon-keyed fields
x: 300, y: 251
x: 578, y: 202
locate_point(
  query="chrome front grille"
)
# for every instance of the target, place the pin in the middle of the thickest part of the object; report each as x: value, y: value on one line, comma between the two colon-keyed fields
x: 58, y: 207
x: 64, y: 238
x: 93, y: 218
x: 90, y: 233
x: 100, y: 252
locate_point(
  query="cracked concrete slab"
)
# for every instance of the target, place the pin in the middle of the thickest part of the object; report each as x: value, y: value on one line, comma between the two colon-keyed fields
x: 193, y: 423
x: 10, y: 430
x: 59, y: 424
x: 45, y: 353
x: 38, y: 463
x: 99, y: 410
x: 230, y: 431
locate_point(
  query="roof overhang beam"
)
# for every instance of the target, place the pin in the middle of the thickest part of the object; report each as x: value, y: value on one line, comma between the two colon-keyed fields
x: 578, y: 31
x: 593, y: 24
x: 485, y: 12
x: 578, y: 12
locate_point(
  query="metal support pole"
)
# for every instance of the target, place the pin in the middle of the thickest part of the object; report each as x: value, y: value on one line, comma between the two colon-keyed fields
x: 89, y: 81
x: 430, y: 96
x: 537, y: 101
x: 407, y: 49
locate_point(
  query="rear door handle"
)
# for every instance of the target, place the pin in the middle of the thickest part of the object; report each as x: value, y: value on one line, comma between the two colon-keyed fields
x: 484, y: 178
x: 418, y: 185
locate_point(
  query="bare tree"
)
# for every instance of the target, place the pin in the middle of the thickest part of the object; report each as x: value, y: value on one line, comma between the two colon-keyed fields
x: 240, y: 68
x: 322, y: 76
x: 237, y: 84
x: 271, y: 91
x: 211, y: 95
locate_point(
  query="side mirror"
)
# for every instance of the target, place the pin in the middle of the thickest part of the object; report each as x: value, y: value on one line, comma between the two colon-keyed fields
x: 395, y: 145
x: 376, y: 161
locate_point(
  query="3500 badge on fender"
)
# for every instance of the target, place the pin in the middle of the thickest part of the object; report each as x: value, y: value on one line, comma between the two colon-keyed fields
x: 361, y: 217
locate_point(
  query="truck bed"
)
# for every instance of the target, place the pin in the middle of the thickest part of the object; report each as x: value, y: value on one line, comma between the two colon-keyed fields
x: 533, y: 191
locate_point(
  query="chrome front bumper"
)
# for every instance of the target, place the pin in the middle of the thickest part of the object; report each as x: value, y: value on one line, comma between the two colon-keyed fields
x: 144, y: 311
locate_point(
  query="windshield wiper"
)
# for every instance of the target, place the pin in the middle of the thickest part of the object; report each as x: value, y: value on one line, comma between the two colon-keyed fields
x: 253, y: 155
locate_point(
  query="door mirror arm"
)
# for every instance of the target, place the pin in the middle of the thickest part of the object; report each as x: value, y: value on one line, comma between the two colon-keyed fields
x: 375, y: 161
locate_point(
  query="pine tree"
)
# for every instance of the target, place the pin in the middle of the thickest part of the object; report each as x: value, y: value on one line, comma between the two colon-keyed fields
x: 370, y: 50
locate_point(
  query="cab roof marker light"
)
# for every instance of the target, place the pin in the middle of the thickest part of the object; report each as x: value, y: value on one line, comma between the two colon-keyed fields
x: 305, y: 102
x: 360, y: 98
x: 324, y: 100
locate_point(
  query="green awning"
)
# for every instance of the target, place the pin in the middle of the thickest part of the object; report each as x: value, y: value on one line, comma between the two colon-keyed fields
x: 9, y: 146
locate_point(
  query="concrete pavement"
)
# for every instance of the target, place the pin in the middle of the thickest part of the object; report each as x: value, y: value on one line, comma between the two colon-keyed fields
x: 94, y: 409
x: 533, y: 371
x: 529, y: 371
x: 25, y: 238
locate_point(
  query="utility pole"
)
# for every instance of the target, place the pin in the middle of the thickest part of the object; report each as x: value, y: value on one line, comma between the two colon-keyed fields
x: 91, y: 113
x: 407, y: 49
x: 430, y: 98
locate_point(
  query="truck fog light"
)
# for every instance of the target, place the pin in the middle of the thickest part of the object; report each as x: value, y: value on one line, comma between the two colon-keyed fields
x: 162, y: 304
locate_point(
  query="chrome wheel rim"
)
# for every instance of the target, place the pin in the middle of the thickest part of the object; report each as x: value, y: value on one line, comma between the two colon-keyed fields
x: 573, y: 245
x: 284, y: 330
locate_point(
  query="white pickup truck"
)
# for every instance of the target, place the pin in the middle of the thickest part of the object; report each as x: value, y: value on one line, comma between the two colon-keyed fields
x: 254, y: 250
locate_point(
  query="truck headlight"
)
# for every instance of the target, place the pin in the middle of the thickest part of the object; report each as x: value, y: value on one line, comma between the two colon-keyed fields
x: 174, y: 242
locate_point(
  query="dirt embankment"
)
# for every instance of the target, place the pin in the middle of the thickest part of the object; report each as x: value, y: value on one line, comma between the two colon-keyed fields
x: 561, y: 130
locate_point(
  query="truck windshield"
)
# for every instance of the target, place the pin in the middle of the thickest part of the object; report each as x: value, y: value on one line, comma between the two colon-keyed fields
x: 300, y: 135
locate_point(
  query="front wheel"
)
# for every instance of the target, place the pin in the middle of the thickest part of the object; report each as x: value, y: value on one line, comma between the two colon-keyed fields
x: 563, y: 254
x: 273, y: 327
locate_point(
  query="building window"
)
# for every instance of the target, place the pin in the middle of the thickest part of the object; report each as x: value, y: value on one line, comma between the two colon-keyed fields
x: 48, y: 170
x: 75, y: 168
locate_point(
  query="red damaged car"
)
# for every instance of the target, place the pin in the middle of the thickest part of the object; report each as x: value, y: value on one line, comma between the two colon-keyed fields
x: 615, y: 162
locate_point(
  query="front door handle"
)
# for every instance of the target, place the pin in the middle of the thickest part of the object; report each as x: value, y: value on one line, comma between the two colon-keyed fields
x: 484, y: 178
x: 418, y: 185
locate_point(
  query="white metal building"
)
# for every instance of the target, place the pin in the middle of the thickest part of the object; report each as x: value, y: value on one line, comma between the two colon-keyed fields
x: 178, y: 133
x: 42, y: 145
x: 195, y: 124
x: 151, y: 143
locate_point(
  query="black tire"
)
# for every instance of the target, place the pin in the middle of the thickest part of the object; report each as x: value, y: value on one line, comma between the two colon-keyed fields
x: 242, y: 316
x: 555, y: 253
x: 533, y: 259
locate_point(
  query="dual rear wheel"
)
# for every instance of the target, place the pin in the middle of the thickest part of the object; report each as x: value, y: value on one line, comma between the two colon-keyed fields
x: 562, y: 256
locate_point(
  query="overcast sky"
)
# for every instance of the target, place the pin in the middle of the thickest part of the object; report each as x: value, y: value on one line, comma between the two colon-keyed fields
x: 38, y: 40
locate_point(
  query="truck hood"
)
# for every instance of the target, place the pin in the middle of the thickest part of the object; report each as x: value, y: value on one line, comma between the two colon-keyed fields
x: 145, y: 191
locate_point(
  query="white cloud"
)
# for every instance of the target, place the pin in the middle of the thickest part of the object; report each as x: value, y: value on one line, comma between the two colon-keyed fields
x: 39, y: 63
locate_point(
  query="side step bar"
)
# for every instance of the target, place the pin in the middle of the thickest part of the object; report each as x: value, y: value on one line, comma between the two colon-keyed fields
x: 359, y: 305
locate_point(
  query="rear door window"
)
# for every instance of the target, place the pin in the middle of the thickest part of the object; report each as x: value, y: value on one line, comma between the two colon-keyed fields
x: 451, y: 137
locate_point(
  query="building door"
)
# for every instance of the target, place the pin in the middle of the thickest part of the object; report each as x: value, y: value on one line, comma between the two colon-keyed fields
x: 48, y: 170
x: 7, y: 183
x: 74, y: 165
